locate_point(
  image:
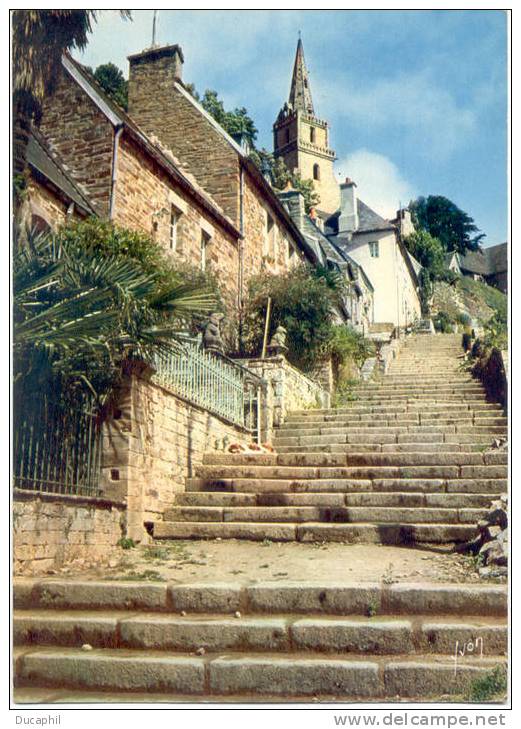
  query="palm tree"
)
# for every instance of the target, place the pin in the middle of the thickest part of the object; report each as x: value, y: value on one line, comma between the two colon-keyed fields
x: 78, y: 314
x: 39, y: 39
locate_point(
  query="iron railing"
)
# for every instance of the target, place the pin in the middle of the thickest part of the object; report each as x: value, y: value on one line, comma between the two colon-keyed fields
x: 55, y: 449
x: 213, y: 381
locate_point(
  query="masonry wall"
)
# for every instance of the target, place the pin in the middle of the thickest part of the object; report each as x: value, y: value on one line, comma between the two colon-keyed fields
x: 161, y: 109
x: 264, y: 251
x: 52, y: 530
x: 44, y: 203
x: 144, y: 195
x: 154, y: 445
x: 81, y: 135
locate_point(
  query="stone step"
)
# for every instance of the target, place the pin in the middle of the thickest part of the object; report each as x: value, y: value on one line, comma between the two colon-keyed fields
x: 348, y: 485
x: 353, y: 533
x: 335, y: 499
x: 357, y: 459
x: 263, y: 473
x: 400, y: 421
x: 273, y: 597
x: 325, y: 514
x: 276, y: 633
x: 298, y: 674
x: 416, y: 389
x: 399, y: 407
x: 390, y: 414
x: 381, y: 448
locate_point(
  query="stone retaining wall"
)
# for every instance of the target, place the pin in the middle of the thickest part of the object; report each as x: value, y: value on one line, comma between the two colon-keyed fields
x: 51, y: 530
x: 153, y: 443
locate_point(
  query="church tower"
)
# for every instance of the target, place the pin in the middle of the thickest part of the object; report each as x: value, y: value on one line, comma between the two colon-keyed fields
x: 302, y: 139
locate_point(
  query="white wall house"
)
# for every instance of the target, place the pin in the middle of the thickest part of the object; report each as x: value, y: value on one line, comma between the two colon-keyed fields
x: 375, y: 244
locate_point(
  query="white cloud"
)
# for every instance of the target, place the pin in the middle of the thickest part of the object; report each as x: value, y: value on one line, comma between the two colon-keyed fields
x: 425, y: 114
x: 379, y: 182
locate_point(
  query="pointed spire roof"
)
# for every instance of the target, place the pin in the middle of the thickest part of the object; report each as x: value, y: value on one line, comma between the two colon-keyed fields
x: 300, y: 92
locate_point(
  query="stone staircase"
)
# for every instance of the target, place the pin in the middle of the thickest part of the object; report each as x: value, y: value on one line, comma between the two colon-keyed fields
x: 119, y: 641
x: 407, y: 462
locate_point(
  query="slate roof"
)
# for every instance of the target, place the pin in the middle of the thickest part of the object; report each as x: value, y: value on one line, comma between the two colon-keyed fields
x: 368, y: 221
x: 485, y: 261
x: 40, y: 158
x: 498, y: 257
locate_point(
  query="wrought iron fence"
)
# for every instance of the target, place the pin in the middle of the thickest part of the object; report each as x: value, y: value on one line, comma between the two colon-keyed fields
x: 56, y: 450
x: 213, y: 381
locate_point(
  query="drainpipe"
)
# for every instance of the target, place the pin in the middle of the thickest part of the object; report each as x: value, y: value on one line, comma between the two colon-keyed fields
x: 241, y: 249
x: 115, y: 148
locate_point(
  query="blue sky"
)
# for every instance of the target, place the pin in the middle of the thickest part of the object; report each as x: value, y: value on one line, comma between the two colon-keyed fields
x: 416, y: 100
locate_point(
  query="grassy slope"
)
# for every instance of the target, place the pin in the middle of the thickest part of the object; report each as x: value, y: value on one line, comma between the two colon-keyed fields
x: 477, y: 299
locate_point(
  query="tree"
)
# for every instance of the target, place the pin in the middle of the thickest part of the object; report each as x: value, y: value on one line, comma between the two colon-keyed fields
x: 303, y: 302
x: 39, y: 39
x: 111, y: 79
x: 442, y: 218
x: 79, y: 310
x: 233, y: 122
x: 428, y: 251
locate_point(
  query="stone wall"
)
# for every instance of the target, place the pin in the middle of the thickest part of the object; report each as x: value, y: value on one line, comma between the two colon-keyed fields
x: 82, y: 137
x: 288, y: 389
x: 154, y: 442
x: 143, y: 200
x: 44, y: 203
x: 52, y: 530
x: 160, y: 108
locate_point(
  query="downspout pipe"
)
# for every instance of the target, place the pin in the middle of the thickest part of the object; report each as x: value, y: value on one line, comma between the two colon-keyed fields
x: 113, y: 183
x: 241, y: 250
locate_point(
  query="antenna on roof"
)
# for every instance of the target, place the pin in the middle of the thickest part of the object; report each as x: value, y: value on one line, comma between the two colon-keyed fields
x: 154, y: 22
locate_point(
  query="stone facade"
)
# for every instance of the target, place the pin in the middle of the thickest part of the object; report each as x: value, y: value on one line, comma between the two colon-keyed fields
x: 51, y: 530
x: 161, y: 105
x: 154, y: 443
x: 45, y: 204
x: 144, y: 194
x: 77, y: 131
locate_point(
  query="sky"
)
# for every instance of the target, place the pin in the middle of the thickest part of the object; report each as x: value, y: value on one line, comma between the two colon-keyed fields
x: 416, y: 100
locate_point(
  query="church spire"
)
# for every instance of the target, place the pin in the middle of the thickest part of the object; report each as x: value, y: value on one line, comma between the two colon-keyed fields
x: 300, y: 92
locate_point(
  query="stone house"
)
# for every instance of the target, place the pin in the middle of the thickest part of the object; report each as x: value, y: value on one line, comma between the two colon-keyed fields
x: 161, y: 104
x: 376, y: 245
x: 53, y: 196
x: 132, y: 180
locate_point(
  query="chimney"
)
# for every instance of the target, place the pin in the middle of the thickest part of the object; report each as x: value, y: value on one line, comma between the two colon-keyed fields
x: 348, y: 219
x: 151, y: 74
x: 293, y: 201
x: 405, y: 222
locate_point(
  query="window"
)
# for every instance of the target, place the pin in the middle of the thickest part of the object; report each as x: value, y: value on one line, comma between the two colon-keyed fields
x: 316, y: 172
x: 312, y: 135
x: 174, y: 222
x: 374, y: 249
x: 205, y: 240
x: 287, y: 135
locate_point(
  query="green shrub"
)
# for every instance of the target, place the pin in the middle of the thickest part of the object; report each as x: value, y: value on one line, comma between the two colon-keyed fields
x: 346, y: 343
x: 491, y: 685
x: 303, y: 302
x: 443, y: 323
